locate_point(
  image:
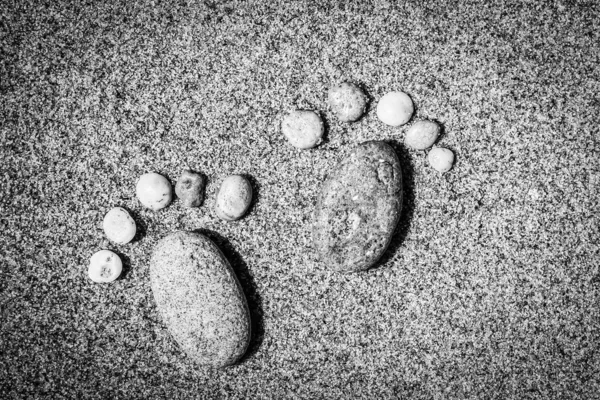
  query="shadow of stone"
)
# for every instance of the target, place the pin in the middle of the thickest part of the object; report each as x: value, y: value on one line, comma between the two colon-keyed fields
x: 256, y: 187
x: 326, y: 129
x: 442, y: 131
x: 408, y: 203
x: 249, y: 288
x: 126, y: 261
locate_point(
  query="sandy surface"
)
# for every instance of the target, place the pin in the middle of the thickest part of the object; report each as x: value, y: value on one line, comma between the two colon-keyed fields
x: 489, y: 290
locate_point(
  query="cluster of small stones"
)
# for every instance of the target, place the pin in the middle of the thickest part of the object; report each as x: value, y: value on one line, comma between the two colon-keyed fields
x: 355, y: 217
x: 360, y: 202
x: 304, y: 129
x: 154, y: 191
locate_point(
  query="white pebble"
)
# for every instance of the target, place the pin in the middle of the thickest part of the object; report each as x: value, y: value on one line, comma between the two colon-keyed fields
x: 303, y: 129
x: 154, y: 191
x: 105, y: 266
x: 422, y: 135
x: 441, y: 159
x: 119, y: 226
x: 234, y: 198
x: 395, y: 108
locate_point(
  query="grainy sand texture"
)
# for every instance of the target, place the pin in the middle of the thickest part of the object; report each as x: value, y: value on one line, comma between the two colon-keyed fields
x: 490, y: 288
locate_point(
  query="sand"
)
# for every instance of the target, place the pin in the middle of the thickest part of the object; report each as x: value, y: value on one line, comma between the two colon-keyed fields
x: 490, y: 288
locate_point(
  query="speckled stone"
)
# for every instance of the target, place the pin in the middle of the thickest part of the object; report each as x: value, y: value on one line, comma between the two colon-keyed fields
x: 200, y: 299
x: 422, y: 135
x: 303, y: 129
x: 105, y: 266
x: 190, y: 189
x: 119, y: 226
x: 234, y: 198
x: 441, y: 159
x: 347, y: 101
x: 358, y: 208
x: 154, y: 191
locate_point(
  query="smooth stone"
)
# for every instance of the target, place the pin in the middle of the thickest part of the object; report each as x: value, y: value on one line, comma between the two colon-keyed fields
x: 105, y: 266
x: 200, y: 299
x: 303, y: 129
x: 234, y: 198
x: 119, y: 226
x: 347, y: 101
x: 441, y: 159
x: 395, y: 108
x: 154, y: 191
x: 358, y: 208
x: 422, y: 135
x: 190, y: 188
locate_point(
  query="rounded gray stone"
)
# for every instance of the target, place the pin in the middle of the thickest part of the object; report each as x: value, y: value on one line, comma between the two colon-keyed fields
x: 234, y: 198
x: 303, y: 129
x: 200, y: 299
x: 441, y: 159
x: 358, y: 208
x: 422, y: 135
x: 347, y: 101
x: 190, y: 189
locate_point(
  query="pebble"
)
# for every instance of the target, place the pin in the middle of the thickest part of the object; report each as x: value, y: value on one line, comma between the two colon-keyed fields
x: 118, y: 226
x: 347, y: 101
x: 303, y: 129
x: 441, y: 159
x: 190, y: 188
x: 395, y: 109
x: 200, y: 300
x: 105, y: 266
x: 422, y: 135
x: 358, y: 208
x: 154, y: 191
x: 234, y: 198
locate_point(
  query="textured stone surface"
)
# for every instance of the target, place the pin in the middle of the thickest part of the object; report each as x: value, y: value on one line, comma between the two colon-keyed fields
x: 358, y: 208
x: 347, y: 101
x: 190, y: 189
x: 494, y: 290
x: 303, y: 129
x: 200, y: 299
x: 119, y: 226
x: 441, y: 159
x: 154, y: 191
x: 105, y: 266
x: 422, y: 135
x: 234, y: 198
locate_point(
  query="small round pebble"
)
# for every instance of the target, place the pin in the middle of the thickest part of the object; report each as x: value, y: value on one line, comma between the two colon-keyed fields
x: 119, y: 226
x: 303, y: 129
x: 422, y: 135
x: 190, y: 189
x: 234, y: 198
x: 154, y: 191
x: 395, y: 108
x: 347, y: 101
x: 441, y: 159
x: 105, y: 266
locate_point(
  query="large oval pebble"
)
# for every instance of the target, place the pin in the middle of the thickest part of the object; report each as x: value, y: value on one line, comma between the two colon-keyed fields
x: 358, y: 208
x: 200, y: 299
